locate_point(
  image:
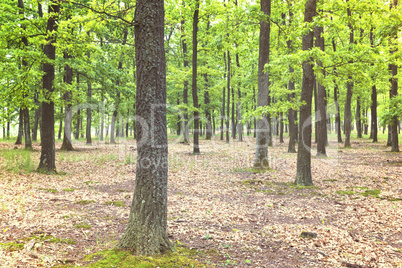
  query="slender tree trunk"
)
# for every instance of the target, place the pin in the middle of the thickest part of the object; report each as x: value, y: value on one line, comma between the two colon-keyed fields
x: 20, y: 128
x: 60, y: 123
x: 281, y: 128
x: 394, y: 91
x: 223, y: 116
x: 196, y: 148
x: 27, y: 129
x: 68, y: 79
x: 321, y: 131
x: 146, y: 231
x: 77, y: 126
x: 349, y: 88
x: 47, y: 158
x: 239, y: 124
x: 228, y: 101
x: 234, y: 124
x: 254, y: 119
x: 358, y: 119
x: 303, y: 173
x: 186, y: 134
x: 89, y: 112
x: 263, y: 124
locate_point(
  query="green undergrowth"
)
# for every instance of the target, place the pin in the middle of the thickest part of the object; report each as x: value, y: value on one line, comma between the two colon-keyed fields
x: 49, y: 190
x: 253, y: 170
x: 19, y: 245
x: 17, y: 161
x: 182, y: 257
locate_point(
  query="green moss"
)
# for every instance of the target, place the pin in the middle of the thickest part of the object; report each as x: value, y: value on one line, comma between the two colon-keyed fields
x: 12, y: 246
x: 51, y: 239
x: 296, y: 186
x: 115, y: 203
x: 50, y: 190
x: 182, y: 257
x: 85, y: 202
x: 83, y: 226
x: 121, y: 190
x: 253, y: 170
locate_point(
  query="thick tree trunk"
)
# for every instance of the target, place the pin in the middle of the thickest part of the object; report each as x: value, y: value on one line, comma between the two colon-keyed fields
x: 291, y: 96
x: 146, y: 231
x: 303, y: 173
x: 47, y: 158
x: 20, y: 128
x: 263, y: 126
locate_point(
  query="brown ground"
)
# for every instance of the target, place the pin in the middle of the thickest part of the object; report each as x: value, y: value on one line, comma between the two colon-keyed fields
x: 216, y: 204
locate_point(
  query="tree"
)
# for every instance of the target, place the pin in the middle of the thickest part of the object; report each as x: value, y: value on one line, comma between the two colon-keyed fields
x: 303, y: 173
x: 196, y: 149
x: 47, y: 156
x: 349, y: 86
x: 146, y: 231
x: 261, y: 153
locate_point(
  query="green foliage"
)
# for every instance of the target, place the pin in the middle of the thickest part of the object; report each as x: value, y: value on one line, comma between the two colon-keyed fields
x: 85, y: 202
x: 115, y: 203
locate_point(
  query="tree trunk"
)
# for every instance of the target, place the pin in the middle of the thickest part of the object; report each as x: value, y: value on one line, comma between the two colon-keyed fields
x: 321, y: 116
x: 27, y: 129
x: 60, y: 123
x: 146, y: 231
x: 358, y: 119
x: 303, y: 173
x: 20, y: 128
x: 68, y: 79
x: 223, y: 117
x: 89, y: 112
x: 196, y: 148
x: 394, y: 91
x: 281, y: 126
x: 349, y: 87
x: 261, y: 153
x: 186, y: 134
x: 47, y: 158
x: 239, y: 124
x: 228, y: 100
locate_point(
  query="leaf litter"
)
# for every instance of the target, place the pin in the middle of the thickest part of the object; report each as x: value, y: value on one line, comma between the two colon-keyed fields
x: 217, y: 204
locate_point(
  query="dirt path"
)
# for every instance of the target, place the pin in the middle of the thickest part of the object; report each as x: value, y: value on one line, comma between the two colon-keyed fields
x: 217, y: 204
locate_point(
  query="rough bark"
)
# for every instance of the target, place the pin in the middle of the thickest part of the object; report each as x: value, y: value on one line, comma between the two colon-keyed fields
x: 261, y: 153
x: 47, y: 157
x: 146, y: 231
x: 303, y: 173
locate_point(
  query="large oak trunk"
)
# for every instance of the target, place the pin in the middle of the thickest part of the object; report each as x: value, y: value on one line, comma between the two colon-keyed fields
x: 146, y: 231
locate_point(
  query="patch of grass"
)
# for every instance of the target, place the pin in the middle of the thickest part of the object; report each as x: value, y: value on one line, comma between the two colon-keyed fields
x: 17, y: 161
x: 345, y: 192
x: 83, y: 225
x: 69, y: 190
x: 121, y: 190
x: 296, y: 186
x: 52, y: 239
x: 115, y: 203
x: 373, y: 193
x: 182, y: 257
x: 85, y: 202
x: 12, y: 246
x: 49, y: 190
x: 330, y: 180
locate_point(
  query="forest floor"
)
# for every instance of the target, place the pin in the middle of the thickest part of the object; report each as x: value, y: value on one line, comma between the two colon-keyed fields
x: 218, y: 205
